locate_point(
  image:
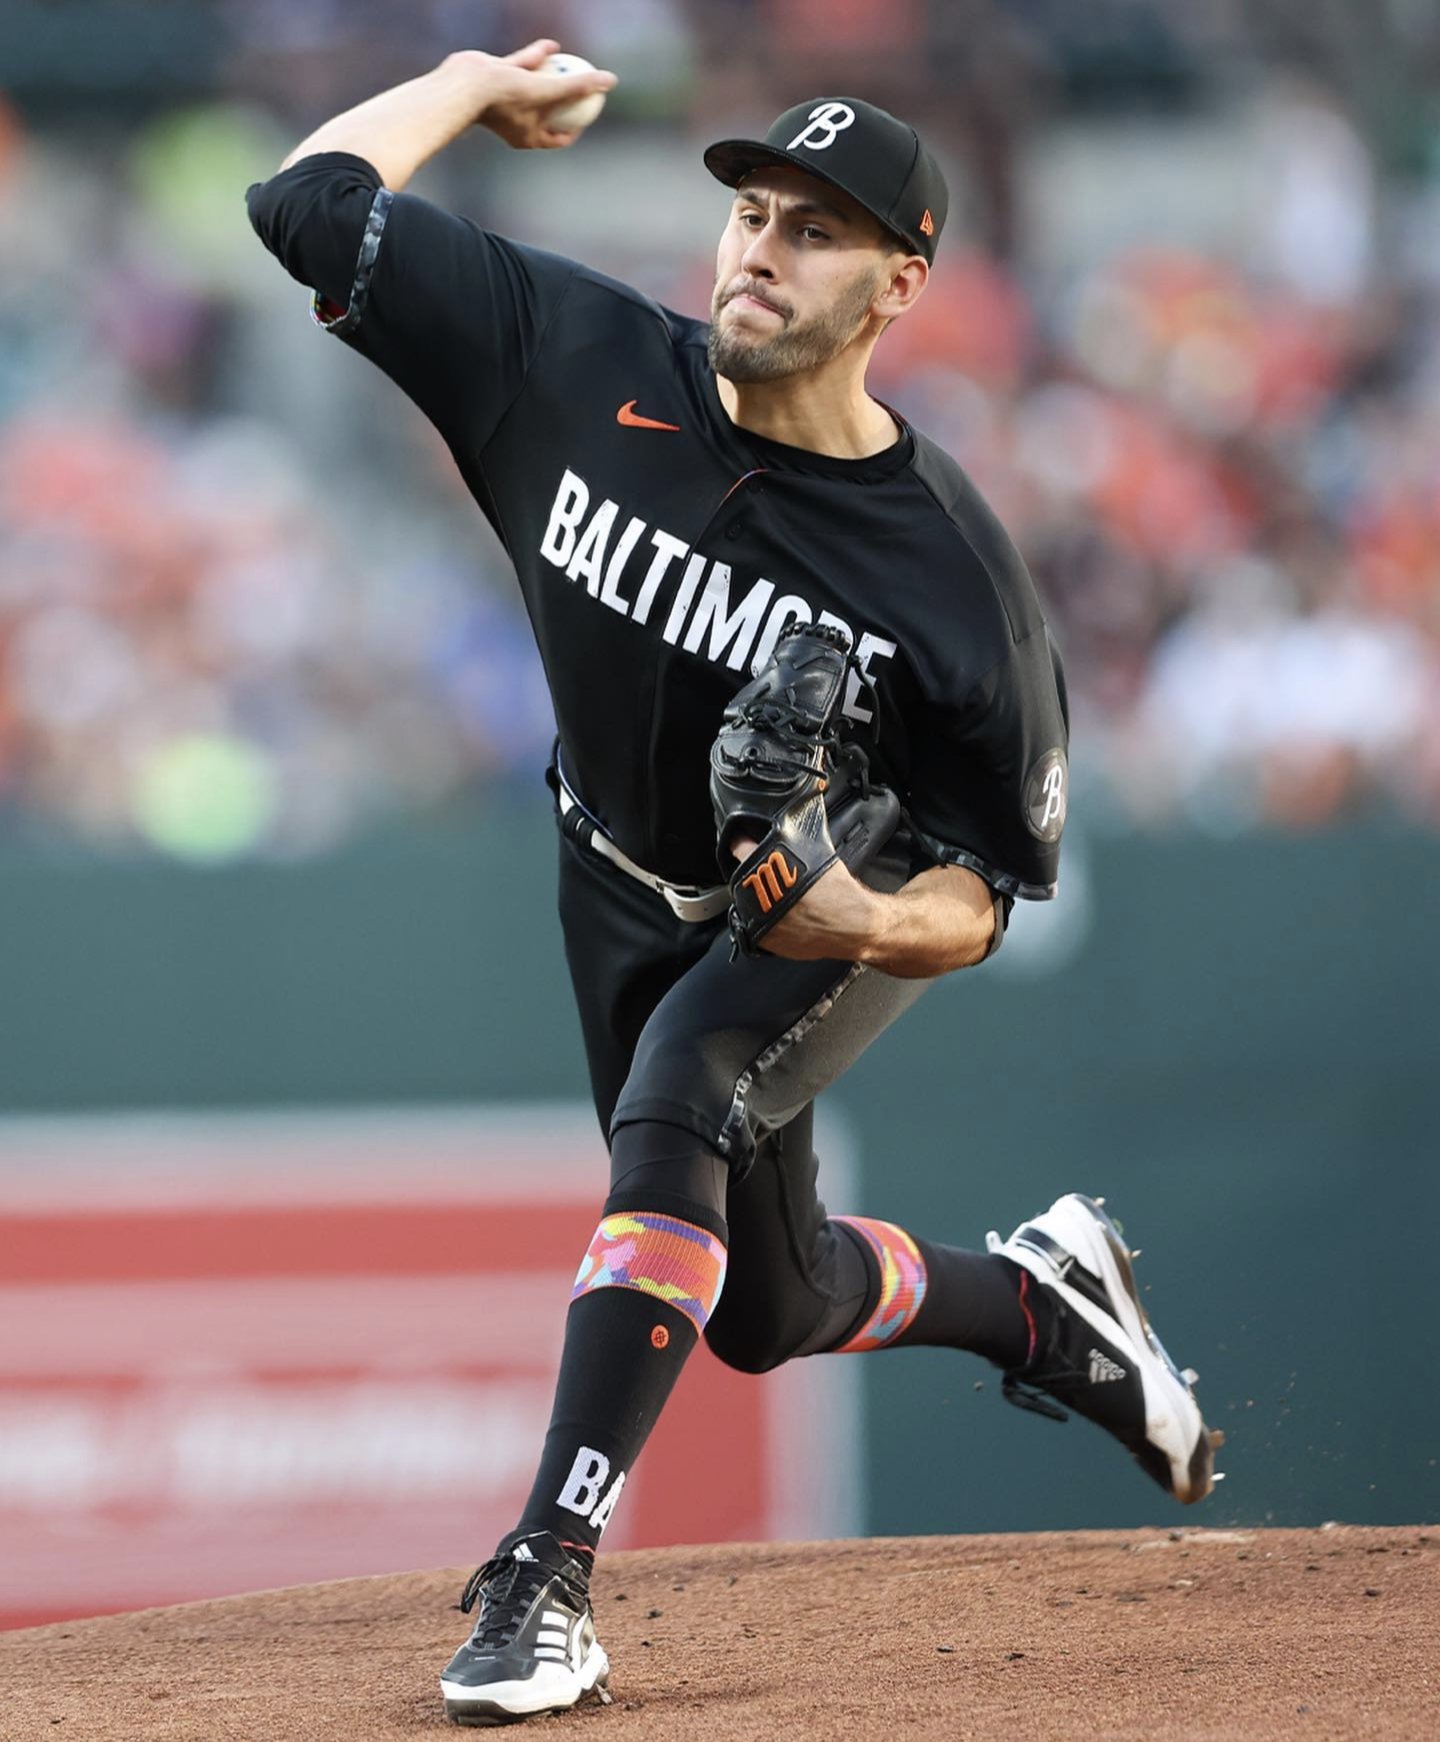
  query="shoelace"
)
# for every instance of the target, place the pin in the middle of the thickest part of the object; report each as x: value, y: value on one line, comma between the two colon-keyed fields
x: 505, y: 1588
x: 475, y: 1583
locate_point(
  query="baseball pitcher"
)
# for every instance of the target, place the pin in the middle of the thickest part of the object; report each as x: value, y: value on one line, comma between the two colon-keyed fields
x: 811, y: 748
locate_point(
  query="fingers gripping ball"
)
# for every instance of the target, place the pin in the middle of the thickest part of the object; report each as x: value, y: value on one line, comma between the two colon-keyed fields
x: 572, y: 117
x: 780, y: 775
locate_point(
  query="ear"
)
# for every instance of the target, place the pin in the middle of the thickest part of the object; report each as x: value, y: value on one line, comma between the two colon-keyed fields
x: 908, y: 279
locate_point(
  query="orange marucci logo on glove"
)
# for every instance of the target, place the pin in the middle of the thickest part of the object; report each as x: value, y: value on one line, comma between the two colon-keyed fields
x: 770, y: 879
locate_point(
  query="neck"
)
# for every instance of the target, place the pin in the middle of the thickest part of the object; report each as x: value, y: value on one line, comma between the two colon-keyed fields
x: 825, y: 411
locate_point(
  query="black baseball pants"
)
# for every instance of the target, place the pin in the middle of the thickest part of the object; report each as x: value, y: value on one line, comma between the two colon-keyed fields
x: 732, y: 1053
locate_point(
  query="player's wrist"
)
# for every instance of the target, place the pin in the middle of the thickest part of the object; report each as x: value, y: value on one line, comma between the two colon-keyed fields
x: 471, y: 77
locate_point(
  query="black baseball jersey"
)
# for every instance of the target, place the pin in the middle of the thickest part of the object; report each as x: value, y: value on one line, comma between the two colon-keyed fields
x: 661, y: 549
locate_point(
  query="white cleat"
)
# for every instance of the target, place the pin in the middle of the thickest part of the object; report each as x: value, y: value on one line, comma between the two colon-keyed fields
x: 1098, y: 1354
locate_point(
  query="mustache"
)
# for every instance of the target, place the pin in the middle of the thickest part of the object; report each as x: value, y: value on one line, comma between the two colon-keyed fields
x: 746, y: 287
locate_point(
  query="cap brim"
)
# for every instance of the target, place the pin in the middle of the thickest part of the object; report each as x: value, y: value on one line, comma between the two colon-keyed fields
x: 731, y: 160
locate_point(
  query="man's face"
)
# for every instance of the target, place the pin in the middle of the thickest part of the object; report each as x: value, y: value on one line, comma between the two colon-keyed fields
x: 799, y: 265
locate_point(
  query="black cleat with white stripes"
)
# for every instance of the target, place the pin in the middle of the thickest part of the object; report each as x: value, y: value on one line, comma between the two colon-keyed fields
x: 533, y: 1647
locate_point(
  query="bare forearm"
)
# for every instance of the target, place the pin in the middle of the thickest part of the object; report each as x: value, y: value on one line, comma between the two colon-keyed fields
x: 513, y: 96
x: 942, y: 920
x: 403, y: 128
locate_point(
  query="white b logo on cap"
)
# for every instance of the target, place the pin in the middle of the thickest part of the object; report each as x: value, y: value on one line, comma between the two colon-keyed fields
x: 825, y: 122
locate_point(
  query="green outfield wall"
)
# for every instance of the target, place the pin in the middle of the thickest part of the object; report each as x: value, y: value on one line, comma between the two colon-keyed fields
x: 1237, y: 1042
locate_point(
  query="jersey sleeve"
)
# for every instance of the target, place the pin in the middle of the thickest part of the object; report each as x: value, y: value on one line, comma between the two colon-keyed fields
x: 452, y: 314
x: 990, y: 779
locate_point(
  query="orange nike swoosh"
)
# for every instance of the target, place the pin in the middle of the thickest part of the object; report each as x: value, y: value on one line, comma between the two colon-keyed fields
x: 631, y: 418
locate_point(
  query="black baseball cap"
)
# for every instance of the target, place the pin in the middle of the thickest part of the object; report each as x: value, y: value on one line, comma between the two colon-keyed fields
x: 866, y: 152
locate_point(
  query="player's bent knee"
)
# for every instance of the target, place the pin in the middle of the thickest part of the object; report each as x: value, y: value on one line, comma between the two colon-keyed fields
x: 745, y: 1357
x: 648, y: 1157
x: 750, y: 1348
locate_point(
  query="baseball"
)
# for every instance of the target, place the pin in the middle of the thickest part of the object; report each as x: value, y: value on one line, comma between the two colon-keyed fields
x: 573, y: 117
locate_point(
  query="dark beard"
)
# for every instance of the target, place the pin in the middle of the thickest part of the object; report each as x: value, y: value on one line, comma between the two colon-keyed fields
x: 794, y: 350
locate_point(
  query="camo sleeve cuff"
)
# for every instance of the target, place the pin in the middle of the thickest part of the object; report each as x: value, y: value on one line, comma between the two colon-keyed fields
x: 330, y: 315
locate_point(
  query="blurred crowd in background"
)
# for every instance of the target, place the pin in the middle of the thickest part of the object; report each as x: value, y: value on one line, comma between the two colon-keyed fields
x: 1184, y: 330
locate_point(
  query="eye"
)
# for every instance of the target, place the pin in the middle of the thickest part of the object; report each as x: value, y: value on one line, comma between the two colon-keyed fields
x: 751, y: 219
x: 813, y: 233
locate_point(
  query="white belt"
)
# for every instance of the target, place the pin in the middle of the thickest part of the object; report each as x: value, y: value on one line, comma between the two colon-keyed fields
x: 686, y: 901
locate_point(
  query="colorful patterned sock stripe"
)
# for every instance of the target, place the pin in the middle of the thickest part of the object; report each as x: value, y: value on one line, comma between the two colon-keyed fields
x: 902, y: 1283
x: 660, y: 1255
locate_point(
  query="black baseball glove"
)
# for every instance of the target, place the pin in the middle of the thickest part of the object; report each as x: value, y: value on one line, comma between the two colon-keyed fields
x: 780, y: 775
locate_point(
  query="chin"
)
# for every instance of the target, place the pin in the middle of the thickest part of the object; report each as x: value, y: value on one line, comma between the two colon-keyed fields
x: 743, y: 354
x: 747, y: 343
x: 744, y: 370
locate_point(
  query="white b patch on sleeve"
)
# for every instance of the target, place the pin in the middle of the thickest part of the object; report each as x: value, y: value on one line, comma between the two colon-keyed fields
x: 1047, y: 797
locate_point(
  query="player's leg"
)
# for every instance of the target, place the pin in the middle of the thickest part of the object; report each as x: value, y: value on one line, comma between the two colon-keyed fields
x: 732, y: 1054
x: 625, y: 949
x: 533, y: 1647
x: 726, y: 1036
x: 803, y: 1282
x: 724, y: 1039
x: 645, y: 1289
x: 1055, y: 1307
x: 794, y: 1283
x: 646, y: 1286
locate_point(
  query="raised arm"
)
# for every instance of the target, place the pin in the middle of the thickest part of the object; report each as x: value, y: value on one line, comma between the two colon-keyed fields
x: 403, y: 128
x: 452, y: 314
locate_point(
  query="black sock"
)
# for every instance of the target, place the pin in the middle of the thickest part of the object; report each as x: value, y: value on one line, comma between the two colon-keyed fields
x: 925, y: 1294
x: 975, y: 1301
x: 623, y: 1353
x: 624, y: 1344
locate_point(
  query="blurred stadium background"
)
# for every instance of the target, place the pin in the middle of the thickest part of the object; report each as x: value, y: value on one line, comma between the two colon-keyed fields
x: 273, y: 839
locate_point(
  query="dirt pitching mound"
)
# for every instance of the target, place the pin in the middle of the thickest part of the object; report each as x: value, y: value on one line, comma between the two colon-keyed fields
x: 1146, y: 1636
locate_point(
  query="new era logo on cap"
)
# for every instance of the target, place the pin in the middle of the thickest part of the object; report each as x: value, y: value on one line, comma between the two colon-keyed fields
x: 869, y: 154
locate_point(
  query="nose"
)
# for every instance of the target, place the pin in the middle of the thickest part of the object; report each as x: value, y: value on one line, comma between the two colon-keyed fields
x: 758, y: 260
